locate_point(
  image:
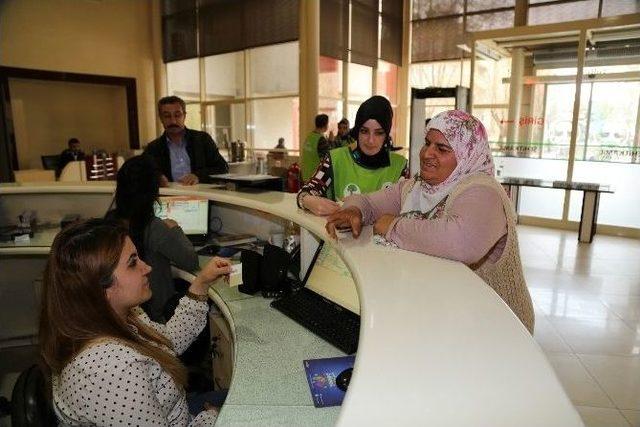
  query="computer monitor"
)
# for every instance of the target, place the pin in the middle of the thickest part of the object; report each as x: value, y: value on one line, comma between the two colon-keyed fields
x: 329, y: 277
x: 50, y: 162
x: 190, y: 212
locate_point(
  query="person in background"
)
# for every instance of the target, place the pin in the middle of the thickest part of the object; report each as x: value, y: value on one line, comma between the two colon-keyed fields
x: 110, y: 364
x: 277, y: 155
x: 363, y: 168
x: 183, y: 155
x: 160, y: 243
x: 315, y: 146
x: 71, y: 154
x: 343, y: 138
x: 453, y: 208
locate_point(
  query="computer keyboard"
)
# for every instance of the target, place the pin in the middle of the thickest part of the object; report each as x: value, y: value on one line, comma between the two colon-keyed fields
x: 336, y: 325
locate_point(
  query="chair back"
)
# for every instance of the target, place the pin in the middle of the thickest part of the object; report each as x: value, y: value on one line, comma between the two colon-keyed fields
x: 50, y: 162
x: 29, y: 403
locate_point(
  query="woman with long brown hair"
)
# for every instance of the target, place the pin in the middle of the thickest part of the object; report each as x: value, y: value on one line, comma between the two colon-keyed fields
x: 110, y: 364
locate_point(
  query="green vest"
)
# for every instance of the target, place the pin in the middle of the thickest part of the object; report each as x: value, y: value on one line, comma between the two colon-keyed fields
x: 351, y: 178
x: 310, y: 158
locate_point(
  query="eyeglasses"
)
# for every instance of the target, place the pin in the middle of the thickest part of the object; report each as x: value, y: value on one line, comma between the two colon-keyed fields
x: 176, y: 115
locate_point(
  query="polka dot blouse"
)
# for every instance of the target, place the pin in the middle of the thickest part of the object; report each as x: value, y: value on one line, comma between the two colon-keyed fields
x: 111, y: 384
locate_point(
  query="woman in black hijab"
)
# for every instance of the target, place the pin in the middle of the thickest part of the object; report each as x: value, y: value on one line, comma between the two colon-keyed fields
x: 366, y: 168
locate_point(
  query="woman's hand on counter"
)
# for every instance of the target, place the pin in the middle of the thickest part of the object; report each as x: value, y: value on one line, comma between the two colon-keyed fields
x: 349, y: 218
x: 211, y: 271
x: 320, y: 206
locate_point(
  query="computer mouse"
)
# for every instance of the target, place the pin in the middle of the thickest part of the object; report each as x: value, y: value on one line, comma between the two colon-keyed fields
x: 343, y: 378
x: 209, y: 250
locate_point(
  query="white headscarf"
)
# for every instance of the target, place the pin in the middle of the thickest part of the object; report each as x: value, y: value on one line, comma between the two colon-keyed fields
x: 468, y: 139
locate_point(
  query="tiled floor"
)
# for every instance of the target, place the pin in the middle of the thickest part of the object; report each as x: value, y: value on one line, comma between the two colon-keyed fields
x: 587, y: 301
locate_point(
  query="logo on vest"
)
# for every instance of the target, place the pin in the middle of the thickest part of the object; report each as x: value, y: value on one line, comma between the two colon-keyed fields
x: 386, y: 185
x: 350, y: 189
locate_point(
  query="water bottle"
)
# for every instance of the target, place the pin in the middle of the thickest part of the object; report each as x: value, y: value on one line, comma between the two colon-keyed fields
x: 261, y: 168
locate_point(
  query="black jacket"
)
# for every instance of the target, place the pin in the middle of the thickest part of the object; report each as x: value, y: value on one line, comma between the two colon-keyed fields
x: 205, y: 157
x: 68, y: 156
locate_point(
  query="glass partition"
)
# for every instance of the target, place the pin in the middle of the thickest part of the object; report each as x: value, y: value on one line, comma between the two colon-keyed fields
x: 193, y: 119
x: 530, y: 128
x: 439, y: 74
x: 608, y: 153
x: 360, y: 82
x: 387, y: 86
x: 330, y: 79
x: 183, y: 79
x: 274, y: 70
x: 444, y: 74
x: 528, y: 119
x: 272, y: 119
x: 226, y: 122
x: 387, y: 81
x: 333, y: 109
x: 224, y: 76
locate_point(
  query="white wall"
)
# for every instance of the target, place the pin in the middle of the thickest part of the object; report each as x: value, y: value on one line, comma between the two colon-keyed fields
x: 106, y: 37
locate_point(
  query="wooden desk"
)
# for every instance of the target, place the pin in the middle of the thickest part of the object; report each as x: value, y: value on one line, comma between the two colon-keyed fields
x: 590, y: 199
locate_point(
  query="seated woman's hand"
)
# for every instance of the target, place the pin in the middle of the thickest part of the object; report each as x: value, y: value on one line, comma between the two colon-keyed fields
x: 320, y: 206
x: 209, y: 407
x: 214, y: 269
x: 382, y: 224
x: 346, y: 218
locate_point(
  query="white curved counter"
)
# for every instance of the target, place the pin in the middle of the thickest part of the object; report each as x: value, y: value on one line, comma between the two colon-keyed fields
x: 437, y: 345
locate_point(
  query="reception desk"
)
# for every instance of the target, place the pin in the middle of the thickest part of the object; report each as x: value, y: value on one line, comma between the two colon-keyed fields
x: 437, y: 345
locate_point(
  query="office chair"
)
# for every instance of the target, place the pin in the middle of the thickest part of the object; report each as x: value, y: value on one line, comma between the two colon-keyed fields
x: 29, y: 403
x: 50, y: 162
x: 5, y: 407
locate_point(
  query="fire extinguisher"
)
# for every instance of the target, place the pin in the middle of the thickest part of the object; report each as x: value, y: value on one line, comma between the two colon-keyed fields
x: 293, y: 178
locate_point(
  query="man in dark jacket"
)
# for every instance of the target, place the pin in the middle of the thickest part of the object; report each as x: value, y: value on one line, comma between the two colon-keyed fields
x: 183, y: 155
x: 71, y: 154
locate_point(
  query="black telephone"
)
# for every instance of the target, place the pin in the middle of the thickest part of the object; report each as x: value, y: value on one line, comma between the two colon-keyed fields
x: 269, y: 272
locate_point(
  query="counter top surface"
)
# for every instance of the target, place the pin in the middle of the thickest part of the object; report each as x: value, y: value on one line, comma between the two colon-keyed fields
x: 437, y: 345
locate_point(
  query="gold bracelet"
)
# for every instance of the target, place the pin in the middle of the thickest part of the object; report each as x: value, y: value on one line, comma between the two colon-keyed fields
x: 201, y: 298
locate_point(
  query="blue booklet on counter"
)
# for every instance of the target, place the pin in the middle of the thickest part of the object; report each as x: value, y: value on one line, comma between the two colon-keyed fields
x: 328, y: 379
